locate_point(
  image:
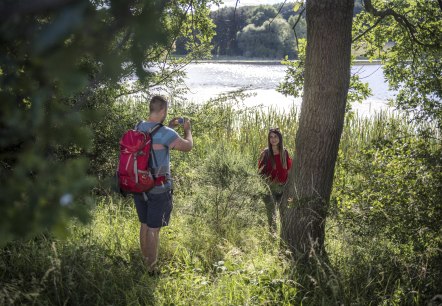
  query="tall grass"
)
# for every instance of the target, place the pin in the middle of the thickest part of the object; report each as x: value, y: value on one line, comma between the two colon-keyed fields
x: 218, y: 250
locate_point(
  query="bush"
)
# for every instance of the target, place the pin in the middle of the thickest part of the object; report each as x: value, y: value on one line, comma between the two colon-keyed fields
x: 388, y: 207
x: 227, y: 191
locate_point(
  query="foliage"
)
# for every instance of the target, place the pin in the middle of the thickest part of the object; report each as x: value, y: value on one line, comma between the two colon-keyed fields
x: 288, y: 9
x: 383, y: 231
x: 273, y: 39
x: 293, y: 83
x: 99, y: 264
x: 261, y: 14
x: 62, y: 66
x: 387, y: 200
x: 300, y: 27
x: 359, y: 6
x: 408, y: 165
x: 294, y: 78
x: 229, y: 22
x: 229, y: 190
x: 410, y: 51
x: 386, y: 254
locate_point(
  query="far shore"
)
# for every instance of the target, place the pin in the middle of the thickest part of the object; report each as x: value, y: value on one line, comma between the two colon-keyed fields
x: 270, y: 62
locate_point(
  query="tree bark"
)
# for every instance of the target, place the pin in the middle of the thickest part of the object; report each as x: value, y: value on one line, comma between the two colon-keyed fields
x: 327, y: 76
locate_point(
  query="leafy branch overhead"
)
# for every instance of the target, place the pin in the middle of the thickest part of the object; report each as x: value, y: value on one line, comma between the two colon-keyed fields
x: 408, y: 25
x: 63, y: 64
x: 407, y: 37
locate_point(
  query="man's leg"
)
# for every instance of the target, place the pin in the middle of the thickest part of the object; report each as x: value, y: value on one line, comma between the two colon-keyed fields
x: 149, y: 242
x: 158, y: 214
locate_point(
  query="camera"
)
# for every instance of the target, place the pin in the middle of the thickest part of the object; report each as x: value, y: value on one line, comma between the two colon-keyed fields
x: 181, y: 120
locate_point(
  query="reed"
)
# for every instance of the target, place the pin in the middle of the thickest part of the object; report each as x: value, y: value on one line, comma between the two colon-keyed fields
x: 217, y: 249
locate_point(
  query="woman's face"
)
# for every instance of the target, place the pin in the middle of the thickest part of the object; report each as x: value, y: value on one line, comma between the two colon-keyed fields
x: 274, y: 139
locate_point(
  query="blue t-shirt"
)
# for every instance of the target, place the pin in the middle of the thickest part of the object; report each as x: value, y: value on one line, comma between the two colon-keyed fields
x: 161, y: 162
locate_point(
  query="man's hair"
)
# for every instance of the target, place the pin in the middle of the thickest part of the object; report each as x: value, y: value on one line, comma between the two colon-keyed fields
x: 157, y: 103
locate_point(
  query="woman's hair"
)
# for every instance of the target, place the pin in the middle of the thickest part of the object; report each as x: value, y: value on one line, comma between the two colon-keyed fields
x: 282, y: 153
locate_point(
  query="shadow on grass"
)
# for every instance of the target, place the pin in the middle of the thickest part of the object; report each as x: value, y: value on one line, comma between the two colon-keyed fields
x: 52, y: 272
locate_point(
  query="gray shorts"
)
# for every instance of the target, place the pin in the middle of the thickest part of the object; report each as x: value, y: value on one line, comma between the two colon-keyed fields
x: 155, y: 212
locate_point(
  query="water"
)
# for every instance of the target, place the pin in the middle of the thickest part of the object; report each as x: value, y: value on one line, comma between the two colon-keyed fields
x: 207, y: 80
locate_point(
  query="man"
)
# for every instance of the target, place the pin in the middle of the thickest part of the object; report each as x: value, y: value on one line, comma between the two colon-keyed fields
x: 154, y: 207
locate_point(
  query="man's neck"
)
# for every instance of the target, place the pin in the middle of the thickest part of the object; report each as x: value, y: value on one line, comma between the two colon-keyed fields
x: 155, y: 119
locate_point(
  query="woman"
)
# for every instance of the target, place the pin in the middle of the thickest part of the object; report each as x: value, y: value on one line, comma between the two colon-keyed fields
x: 274, y: 164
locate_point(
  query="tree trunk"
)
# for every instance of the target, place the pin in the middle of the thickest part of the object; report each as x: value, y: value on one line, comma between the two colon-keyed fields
x: 327, y: 77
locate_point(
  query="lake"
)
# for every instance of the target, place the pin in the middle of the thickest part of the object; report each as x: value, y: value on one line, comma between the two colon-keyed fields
x: 207, y: 80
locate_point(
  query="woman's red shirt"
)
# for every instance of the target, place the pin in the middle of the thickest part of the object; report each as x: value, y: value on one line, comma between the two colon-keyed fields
x: 277, y: 174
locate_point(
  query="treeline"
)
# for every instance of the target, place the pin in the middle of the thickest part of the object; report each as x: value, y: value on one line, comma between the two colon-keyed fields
x: 265, y: 31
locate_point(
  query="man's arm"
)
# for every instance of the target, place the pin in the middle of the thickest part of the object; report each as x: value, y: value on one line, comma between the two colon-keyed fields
x: 184, y: 144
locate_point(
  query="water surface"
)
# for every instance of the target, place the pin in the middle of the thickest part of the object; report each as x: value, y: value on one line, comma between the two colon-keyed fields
x: 207, y: 80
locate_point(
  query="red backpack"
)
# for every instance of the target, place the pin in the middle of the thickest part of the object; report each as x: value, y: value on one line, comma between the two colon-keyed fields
x: 134, y: 174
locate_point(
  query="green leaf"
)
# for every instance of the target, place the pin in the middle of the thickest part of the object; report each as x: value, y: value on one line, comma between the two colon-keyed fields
x: 55, y: 32
x: 297, y: 6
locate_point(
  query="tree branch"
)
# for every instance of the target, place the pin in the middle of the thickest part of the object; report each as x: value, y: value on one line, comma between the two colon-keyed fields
x: 177, y: 34
x: 279, y: 11
x: 294, y: 26
x: 234, y: 15
x: 401, y: 19
x: 368, y: 30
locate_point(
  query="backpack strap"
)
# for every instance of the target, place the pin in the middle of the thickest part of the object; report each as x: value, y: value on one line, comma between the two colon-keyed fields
x: 155, y: 129
x: 137, y: 125
x: 152, y: 132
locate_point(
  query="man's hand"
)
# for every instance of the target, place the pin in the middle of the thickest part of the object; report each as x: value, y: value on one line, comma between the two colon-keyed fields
x: 186, y: 124
x: 174, y: 122
x: 183, y: 144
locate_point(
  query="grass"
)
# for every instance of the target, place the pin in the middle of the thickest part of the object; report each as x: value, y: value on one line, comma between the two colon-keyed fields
x: 100, y: 264
x: 217, y: 249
